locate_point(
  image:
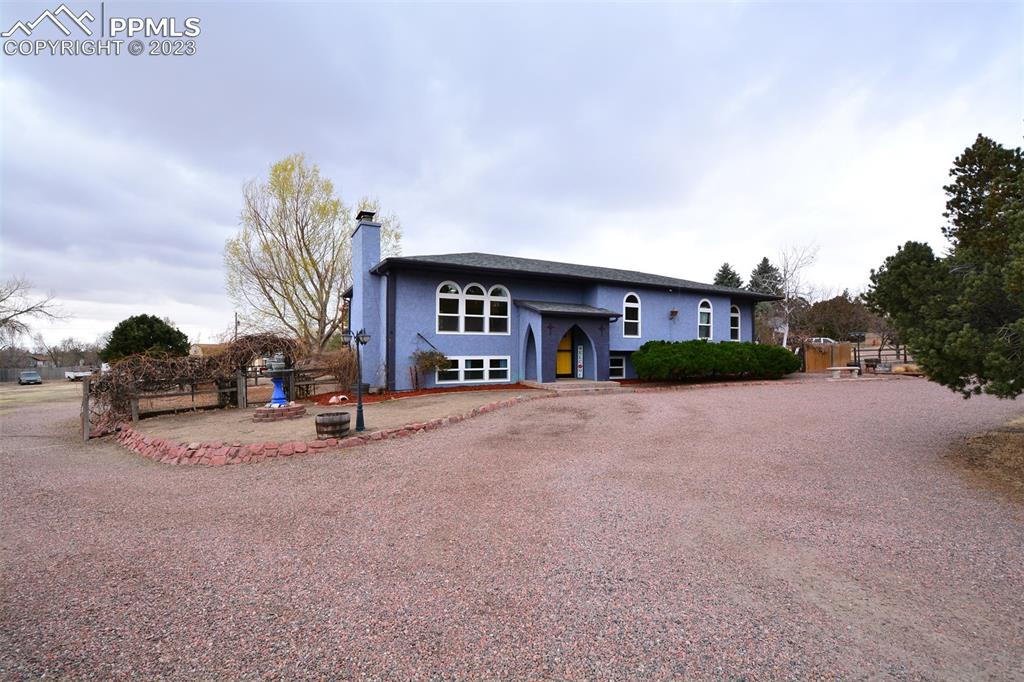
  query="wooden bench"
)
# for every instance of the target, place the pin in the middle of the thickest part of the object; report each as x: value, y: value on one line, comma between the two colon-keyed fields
x: 838, y: 371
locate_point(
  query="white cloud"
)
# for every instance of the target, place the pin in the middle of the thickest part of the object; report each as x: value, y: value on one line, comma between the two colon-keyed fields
x: 660, y: 138
x: 109, y: 223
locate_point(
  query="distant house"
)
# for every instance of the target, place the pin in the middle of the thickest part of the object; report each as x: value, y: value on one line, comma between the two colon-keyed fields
x: 36, y: 360
x: 500, y: 319
x: 207, y: 350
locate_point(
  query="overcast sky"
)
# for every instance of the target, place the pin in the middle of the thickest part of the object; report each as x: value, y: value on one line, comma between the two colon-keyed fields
x: 665, y: 138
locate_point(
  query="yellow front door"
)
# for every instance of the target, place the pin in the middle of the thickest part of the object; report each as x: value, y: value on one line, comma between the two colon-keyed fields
x: 563, y: 364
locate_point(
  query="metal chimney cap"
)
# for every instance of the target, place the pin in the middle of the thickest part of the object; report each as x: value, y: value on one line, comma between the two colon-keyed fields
x: 367, y: 216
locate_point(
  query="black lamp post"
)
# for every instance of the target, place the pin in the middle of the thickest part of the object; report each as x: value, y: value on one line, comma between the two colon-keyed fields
x: 858, y: 338
x: 360, y: 338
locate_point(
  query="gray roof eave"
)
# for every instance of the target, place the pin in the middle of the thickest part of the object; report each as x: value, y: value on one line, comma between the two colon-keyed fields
x: 567, y: 309
x: 420, y: 263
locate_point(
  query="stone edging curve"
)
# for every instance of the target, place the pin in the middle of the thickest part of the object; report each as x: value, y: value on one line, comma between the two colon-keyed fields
x: 221, y: 453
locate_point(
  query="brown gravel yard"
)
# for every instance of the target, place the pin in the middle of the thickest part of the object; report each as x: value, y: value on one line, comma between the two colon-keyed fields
x: 237, y: 425
x: 733, y: 533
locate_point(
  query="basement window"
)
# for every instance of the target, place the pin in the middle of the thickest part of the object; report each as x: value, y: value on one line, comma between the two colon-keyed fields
x: 451, y: 374
x: 466, y: 369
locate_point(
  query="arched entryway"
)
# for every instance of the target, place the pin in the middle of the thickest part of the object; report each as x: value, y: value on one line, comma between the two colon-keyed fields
x: 564, y: 365
x: 575, y: 355
x: 530, y: 357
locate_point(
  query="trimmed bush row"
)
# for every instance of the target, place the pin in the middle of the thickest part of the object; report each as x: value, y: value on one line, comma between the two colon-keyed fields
x: 679, y: 360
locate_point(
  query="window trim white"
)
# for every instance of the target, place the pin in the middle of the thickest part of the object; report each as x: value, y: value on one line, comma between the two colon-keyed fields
x: 735, y: 314
x: 486, y: 369
x: 623, y: 368
x: 483, y: 298
x: 711, y: 319
x: 437, y: 307
x: 462, y: 297
x: 507, y: 298
x: 639, y: 316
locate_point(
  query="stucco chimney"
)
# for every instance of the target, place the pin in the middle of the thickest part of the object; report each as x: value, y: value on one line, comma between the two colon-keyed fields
x: 367, y: 295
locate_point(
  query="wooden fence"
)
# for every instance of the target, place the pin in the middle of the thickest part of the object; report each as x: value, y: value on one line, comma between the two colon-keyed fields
x: 893, y: 355
x: 46, y: 373
x: 299, y: 383
x: 818, y: 357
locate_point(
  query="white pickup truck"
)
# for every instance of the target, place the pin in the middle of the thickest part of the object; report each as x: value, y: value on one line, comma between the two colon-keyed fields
x: 77, y: 376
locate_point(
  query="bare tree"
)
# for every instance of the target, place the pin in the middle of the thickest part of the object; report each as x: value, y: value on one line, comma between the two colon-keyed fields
x: 13, y: 355
x: 291, y: 259
x: 796, y: 290
x: 18, y: 305
x: 40, y: 347
x: 67, y: 352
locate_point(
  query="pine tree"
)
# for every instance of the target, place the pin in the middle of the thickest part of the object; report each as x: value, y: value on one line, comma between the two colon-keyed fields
x: 766, y: 279
x: 144, y: 334
x: 962, y: 312
x: 727, y: 277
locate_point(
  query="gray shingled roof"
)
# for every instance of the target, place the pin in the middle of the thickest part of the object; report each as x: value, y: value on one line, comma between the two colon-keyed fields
x: 487, y: 262
x: 576, y: 309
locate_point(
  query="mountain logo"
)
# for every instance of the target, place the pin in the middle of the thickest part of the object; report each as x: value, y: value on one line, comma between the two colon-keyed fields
x: 77, y: 20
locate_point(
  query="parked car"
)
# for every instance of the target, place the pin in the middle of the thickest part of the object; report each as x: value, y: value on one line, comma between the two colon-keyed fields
x: 820, y: 339
x: 29, y: 377
x: 77, y: 376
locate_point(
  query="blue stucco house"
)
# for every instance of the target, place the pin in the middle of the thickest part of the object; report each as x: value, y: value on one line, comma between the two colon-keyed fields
x: 501, y: 319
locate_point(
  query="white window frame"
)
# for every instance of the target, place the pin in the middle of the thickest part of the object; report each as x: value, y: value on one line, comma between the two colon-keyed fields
x: 639, y: 316
x: 711, y: 319
x: 462, y: 298
x: 737, y: 317
x: 486, y: 369
x: 507, y: 298
x: 611, y: 367
x: 437, y: 307
x: 484, y: 302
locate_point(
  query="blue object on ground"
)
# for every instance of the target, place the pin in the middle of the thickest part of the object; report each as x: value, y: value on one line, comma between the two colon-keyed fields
x: 278, y: 398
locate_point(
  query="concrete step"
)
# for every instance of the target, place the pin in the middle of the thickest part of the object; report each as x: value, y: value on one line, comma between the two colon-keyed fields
x: 579, y: 386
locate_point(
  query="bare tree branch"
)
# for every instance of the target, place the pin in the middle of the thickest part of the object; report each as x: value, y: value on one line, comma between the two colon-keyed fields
x: 291, y: 259
x: 796, y: 291
x: 18, y: 305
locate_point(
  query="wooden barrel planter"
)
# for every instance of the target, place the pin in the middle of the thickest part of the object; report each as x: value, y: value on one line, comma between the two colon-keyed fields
x: 332, y: 425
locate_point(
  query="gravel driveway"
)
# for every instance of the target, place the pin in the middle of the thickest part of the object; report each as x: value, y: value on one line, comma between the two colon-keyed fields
x: 744, y: 532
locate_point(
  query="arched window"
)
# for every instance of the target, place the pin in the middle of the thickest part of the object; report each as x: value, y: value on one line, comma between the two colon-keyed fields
x: 704, y: 320
x: 734, y: 323
x: 631, y: 315
x: 449, y: 308
x: 474, y: 304
x: 497, y: 310
x: 473, y: 309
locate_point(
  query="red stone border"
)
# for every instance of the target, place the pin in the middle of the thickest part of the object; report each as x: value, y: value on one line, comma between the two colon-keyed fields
x: 221, y: 453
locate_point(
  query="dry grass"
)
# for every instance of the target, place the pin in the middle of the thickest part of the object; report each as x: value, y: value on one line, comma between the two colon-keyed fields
x: 13, y: 396
x: 997, y: 456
